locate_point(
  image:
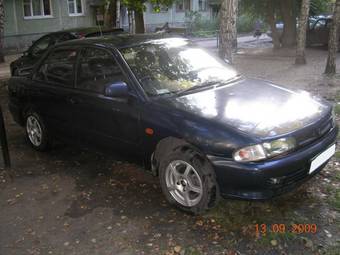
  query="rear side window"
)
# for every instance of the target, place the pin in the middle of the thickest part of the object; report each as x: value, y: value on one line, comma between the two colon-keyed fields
x: 58, y: 67
x: 40, y: 46
x: 97, y: 69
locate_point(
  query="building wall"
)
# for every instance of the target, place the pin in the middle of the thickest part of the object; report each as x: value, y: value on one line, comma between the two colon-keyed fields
x: 20, y: 31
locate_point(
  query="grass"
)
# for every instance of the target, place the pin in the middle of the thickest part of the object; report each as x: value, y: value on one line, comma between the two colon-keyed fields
x: 335, y: 200
x: 192, y: 251
x: 279, y: 237
x: 332, y: 250
x: 337, y: 176
x: 206, y: 34
x: 337, y: 109
x: 337, y: 154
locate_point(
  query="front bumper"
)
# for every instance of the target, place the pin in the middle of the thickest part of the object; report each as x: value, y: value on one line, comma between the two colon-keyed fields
x: 263, y: 180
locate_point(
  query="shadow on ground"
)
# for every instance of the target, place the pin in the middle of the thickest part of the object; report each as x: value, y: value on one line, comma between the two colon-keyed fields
x: 76, y: 201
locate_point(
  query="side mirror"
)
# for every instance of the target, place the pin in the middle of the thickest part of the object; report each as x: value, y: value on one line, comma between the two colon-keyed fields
x: 117, y: 89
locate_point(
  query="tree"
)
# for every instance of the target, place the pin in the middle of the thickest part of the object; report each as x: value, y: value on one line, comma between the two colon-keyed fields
x: 288, y: 13
x: 118, y: 13
x: 301, y: 36
x: 284, y: 10
x: 109, y: 7
x: 271, y: 19
x: 138, y: 7
x: 333, y: 41
x: 228, y: 15
x: 2, y: 23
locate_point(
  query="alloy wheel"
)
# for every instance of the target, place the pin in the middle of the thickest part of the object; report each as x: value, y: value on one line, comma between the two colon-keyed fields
x: 184, y: 183
x: 34, y: 130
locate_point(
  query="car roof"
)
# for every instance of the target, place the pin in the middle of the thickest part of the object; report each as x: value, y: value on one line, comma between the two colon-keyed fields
x: 86, y: 30
x: 121, y: 40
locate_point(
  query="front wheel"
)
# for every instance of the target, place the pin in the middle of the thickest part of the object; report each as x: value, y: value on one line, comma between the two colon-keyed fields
x: 36, y: 131
x: 188, y: 181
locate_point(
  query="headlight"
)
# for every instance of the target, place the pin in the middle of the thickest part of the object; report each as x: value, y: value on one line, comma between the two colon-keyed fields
x: 279, y: 146
x: 265, y: 150
x: 250, y: 153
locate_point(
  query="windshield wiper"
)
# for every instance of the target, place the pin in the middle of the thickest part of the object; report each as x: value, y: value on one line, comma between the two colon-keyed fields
x: 203, y: 85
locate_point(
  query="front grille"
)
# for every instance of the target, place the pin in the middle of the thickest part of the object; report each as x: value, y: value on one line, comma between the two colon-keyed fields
x: 320, y: 130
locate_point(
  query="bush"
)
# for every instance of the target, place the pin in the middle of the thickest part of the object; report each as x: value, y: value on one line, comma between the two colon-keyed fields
x: 245, y: 24
x: 199, y: 26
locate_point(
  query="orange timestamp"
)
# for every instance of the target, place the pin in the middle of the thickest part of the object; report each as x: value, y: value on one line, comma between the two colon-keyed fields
x: 263, y: 229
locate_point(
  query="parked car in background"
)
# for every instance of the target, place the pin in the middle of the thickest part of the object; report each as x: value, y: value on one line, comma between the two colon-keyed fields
x: 317, y: 32
x: 190, y: 115
x: 25, y: 63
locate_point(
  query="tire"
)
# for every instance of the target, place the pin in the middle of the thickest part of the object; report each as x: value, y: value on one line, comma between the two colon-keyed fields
x: 36, y: 131
x: 194, y: 174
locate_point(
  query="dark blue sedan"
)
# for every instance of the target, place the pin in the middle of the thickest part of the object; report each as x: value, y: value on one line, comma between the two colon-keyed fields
x: 204, y: 129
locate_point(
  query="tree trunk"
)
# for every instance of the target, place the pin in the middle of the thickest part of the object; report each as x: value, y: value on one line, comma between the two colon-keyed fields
x: 118, y: 13
x: 333, y: 41
x: 107, y: 14
x: 235, y: 27
x: 272, y: 22
x: 139, y: 20
x: 289, y: 20
x: 131, y: 23
x: 227, y: 29
x: 301, y: 36
x: 2, y: 24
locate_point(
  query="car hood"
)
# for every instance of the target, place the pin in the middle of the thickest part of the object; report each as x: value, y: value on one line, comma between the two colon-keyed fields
x: 254, y: 106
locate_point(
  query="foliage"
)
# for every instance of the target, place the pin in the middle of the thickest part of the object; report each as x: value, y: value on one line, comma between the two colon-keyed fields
x: 256, y: 9
x: 139, y: 5
x: 245, y: 23
x: 318, y: 7
x: 199, y: 26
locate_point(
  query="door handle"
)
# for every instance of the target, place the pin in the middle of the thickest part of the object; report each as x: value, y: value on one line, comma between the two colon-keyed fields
x: 116, y: 110
x: 73, y: 100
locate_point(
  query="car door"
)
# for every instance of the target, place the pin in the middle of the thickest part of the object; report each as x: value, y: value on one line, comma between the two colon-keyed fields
x: 319, y: 32
x: 107, y: 121
x: 53, y: 86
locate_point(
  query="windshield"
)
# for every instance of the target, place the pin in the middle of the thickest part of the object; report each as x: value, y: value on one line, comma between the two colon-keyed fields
x: 174, y: 65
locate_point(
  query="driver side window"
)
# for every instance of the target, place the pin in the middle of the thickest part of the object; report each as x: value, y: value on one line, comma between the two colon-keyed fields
x: 320, y: 24
x: 96, y: 70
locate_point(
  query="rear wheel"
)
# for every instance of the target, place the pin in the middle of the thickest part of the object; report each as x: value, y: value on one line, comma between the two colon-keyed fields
x: 188, y: 181
x: 36, y: 131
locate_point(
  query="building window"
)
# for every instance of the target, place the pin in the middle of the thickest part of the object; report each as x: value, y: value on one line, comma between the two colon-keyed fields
x: 183, y: 5
x: 75, y: 7
x: 203, y: 5
x: 37, y: 8
x: 159, y: 8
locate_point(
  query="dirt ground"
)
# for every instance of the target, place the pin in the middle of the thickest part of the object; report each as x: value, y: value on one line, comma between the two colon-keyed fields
x: 77, y: 201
